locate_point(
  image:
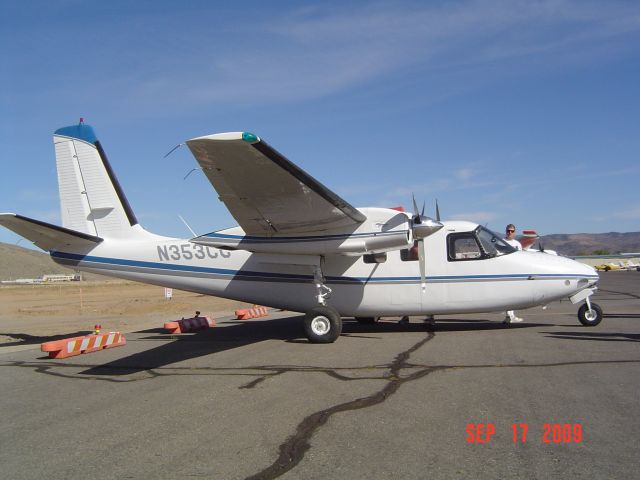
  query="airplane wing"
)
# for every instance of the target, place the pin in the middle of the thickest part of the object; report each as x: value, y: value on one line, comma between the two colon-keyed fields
x: 44, y: 235
x: 265, y: 192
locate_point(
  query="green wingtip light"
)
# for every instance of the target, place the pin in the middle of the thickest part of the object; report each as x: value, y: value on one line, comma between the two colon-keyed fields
x: 249, y: 137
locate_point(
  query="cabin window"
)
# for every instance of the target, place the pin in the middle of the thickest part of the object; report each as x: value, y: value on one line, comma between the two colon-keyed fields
x: 375, y: 258
x: 410, y: 254
x: 463, y: 246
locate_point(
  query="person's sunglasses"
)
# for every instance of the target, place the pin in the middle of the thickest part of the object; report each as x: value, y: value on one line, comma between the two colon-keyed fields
x: 510, y: 231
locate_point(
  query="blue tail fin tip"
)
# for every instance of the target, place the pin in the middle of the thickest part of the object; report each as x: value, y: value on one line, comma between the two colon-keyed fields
x: 79, y: 131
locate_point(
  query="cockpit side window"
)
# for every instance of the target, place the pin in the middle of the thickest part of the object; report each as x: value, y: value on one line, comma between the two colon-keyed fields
x: 492, y: 244
x: 482, y: 243
x: 463, y: 246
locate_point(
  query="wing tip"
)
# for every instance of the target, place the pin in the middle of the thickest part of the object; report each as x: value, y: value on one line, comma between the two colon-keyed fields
x: 229, y: 136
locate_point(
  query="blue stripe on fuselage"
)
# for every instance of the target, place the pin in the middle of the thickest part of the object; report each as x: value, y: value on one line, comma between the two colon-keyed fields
x: 273, y: 275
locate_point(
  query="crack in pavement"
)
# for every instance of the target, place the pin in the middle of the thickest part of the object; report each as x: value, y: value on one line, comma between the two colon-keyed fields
x: 632, y: 295
x: 292, y: 451
x: 265, y: 371
x: 278, y: 370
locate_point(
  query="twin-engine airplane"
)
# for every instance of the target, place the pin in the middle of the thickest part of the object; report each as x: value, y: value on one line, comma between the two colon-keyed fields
x: 298, y: 246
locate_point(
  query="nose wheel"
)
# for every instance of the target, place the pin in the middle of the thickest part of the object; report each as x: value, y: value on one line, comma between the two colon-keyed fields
x: 590, y: 314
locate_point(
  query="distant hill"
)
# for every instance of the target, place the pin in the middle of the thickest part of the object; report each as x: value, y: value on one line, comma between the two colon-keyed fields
x: 19, y: 262
x: 571, y: 244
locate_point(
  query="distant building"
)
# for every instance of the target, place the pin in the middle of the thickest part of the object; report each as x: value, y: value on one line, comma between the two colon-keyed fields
x: 61, y: 277
x: 27, y: 281
x: 49, y: 278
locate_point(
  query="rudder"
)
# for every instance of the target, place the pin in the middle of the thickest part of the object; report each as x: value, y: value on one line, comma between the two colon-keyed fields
x: 91, y: 199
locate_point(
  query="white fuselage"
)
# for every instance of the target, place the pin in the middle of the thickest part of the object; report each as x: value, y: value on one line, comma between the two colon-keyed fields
x: 517, y: 280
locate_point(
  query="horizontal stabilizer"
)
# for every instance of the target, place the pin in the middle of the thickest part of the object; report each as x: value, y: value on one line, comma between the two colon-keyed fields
x: 44, y: 235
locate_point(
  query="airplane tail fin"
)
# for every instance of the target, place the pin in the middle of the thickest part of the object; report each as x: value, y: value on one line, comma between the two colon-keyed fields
x: 91, y: 199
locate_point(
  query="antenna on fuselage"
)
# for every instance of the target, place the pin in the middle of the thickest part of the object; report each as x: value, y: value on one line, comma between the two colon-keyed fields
x: 187, y: 225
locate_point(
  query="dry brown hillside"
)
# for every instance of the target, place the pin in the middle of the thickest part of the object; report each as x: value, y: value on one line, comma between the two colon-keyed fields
x: 19, y: 262
x: 572, y: 244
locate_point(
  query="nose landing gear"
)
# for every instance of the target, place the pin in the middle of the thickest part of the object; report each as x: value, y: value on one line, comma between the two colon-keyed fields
x: 590, y: 314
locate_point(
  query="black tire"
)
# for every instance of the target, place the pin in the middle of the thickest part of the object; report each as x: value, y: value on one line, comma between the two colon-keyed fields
x: 322, y: 324
x: 590, y: 319
x: 367, y: 319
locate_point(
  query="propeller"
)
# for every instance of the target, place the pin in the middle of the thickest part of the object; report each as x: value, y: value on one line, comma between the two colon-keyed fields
x: 422, y: 227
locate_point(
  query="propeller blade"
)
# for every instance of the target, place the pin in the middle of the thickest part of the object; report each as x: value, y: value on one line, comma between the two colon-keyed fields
x: 415, y: 205
x: 421, y: 261
x: 423, y: 205
x: 541, y: 247
x: 437, y: 211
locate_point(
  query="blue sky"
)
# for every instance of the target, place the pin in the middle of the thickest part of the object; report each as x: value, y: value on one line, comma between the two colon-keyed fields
x: 505, y: 111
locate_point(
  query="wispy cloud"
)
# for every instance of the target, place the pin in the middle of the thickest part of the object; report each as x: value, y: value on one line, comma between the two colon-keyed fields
x: 51, y: 216
x: 464, y: 178
x: 464, y: 174
x: 477, y: 217
x: 195, y: 57
x: 632, y: 213
x: 36, y: 195
x: 327, y: 53
x: 314, y: 52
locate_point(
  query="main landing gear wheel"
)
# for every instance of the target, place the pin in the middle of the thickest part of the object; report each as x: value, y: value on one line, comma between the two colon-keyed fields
x: 322, y: 324
x: 590, y: 318
x: 367, y: 319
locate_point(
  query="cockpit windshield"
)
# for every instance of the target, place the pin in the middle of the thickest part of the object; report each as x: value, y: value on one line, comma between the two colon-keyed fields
x: 492, y: 244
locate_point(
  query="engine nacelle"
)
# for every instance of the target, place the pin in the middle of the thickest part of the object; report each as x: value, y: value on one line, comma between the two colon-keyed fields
x: 343, y: 244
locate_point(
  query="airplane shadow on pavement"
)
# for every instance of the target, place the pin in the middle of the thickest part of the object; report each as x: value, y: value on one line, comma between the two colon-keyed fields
x: 26, y: 339
x: 621, y: 315
x: 238, y: 334
x: 596, y: 336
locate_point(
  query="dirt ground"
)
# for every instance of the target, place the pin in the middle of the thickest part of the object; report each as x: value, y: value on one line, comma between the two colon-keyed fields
x: 31, y: 312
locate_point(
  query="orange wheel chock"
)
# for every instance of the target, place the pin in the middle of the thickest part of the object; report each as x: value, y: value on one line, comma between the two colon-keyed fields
x: 70, y: 347
x: 247, y: 313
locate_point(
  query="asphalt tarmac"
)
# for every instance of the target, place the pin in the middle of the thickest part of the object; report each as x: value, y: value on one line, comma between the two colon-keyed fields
x: 253, y: 399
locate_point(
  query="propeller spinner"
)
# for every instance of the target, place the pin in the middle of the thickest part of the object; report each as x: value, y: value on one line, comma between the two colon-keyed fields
x: 422, y: 227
